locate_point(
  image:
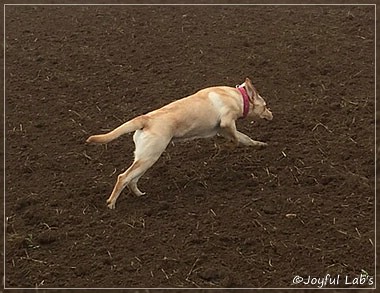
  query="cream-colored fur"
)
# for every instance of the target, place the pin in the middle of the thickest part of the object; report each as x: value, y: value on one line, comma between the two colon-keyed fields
x: 204, y: 114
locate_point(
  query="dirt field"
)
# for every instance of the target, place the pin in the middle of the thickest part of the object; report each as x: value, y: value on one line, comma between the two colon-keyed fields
x: 213, y: 216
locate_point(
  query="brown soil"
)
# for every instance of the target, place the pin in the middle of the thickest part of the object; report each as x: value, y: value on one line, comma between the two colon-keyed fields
x: 213, y: 216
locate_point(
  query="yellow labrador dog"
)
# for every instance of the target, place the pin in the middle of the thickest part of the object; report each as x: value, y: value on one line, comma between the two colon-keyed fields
x: 206, y: 113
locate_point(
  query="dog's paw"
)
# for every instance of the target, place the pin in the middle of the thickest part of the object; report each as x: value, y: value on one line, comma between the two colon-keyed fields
x: 110, y: 205
x: 260, y: 144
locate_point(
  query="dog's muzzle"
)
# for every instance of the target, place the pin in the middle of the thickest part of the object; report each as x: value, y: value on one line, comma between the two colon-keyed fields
x: 267, y: 115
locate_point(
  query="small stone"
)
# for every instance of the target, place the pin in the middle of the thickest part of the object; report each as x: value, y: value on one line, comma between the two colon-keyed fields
x: 291, y: 215
x: 269, y: 209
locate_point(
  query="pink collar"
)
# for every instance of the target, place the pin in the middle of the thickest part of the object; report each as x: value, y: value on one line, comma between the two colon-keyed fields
x: 245, y: 101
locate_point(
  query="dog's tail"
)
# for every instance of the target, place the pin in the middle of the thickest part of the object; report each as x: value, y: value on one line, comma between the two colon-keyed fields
x: 129, y: 126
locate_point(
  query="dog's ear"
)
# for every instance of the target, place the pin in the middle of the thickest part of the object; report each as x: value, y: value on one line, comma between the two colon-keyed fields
x: 250, y: 89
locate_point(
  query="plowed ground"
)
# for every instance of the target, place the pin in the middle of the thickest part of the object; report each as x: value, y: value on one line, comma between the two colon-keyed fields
x: 213, y: 216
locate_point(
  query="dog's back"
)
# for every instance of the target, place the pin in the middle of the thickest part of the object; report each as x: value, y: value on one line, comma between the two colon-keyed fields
x: 190, y: 117
x: 195, y: 116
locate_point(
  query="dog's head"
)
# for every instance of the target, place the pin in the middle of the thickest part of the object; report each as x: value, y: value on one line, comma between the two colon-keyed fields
x: 258, y: 106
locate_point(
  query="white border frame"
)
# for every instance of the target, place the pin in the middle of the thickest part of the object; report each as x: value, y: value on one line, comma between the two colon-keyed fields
x: 188, y: 4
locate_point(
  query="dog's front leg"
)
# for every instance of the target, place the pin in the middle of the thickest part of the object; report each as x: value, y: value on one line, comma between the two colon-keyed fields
x: 228, y: 129
x: 246, y: 140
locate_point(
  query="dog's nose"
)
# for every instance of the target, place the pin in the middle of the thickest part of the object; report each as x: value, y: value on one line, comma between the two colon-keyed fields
x: 269, y: 115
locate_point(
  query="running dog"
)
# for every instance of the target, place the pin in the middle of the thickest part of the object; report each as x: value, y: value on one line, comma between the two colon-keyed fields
x: 206, y: 113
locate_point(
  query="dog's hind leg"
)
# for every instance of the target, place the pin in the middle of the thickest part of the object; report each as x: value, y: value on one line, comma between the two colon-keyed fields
x: 120, y: 185
x: 135, y: 176
x: 148, y: 150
